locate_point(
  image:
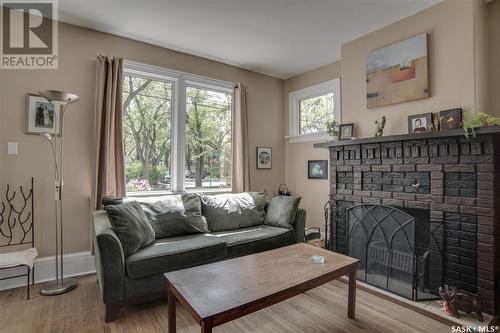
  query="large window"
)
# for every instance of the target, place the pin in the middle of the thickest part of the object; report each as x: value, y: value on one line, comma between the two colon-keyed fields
x: 311, y: 108
x: 176, y: 131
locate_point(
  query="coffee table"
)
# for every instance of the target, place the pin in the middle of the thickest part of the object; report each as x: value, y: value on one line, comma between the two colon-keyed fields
x: 217, y: 293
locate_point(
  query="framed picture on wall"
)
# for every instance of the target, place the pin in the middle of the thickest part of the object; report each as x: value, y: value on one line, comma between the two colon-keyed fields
x: 42, y: 116
x: 317, y: 169
x: 264, y: 158
x: 398, y: 73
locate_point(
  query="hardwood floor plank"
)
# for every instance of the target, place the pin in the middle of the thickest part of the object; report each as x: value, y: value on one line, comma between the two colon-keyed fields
x: 319, y: 310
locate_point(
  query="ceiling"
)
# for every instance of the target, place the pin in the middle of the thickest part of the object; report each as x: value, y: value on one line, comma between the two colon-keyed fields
x: 281, y: 38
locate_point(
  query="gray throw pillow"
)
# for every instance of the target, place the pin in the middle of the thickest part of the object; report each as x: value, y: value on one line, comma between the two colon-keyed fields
x: 174, y: 215
x: 131, y: 226
x: 281, y: 211
x: 233, y: 211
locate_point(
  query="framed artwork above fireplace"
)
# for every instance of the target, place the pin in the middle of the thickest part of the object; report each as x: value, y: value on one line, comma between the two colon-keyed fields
x: 398, y: 73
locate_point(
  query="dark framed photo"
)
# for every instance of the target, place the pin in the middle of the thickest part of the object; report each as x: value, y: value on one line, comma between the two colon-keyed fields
x: 264, y: 157
x: 346, y: 131
x: 317, y: 169
x: 450, y: 119
x: 419, y: 123
x: 42, y: 116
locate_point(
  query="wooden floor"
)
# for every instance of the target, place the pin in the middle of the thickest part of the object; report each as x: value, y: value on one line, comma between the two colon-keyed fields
x: 320, y: 310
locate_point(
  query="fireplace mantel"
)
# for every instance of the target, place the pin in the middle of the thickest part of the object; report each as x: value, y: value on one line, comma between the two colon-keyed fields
x: 405, y: 137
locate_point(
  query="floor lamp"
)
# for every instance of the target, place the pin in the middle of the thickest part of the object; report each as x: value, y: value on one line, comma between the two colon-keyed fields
x: 61, y: 284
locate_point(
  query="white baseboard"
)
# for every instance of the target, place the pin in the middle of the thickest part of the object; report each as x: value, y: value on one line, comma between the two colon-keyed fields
x: 80, y: 263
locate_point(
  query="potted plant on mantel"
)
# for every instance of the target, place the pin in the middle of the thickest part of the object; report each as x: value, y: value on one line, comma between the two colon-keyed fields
x: 481, y: 119
x: 332, y: 128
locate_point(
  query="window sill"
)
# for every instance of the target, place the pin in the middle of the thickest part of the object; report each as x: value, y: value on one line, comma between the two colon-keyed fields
x: 316, y: 137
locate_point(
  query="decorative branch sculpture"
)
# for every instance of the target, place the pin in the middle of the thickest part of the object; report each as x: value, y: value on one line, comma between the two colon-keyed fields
x: 17, y: 217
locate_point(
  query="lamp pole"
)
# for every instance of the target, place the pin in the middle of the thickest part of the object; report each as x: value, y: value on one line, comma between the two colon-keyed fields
x: 60, y: 285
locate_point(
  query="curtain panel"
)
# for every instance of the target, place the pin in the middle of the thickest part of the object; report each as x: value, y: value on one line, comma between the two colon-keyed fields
x: 109, y: 173
x: 241, y: 164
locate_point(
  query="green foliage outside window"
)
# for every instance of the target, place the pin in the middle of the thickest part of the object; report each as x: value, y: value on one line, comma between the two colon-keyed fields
x: 147, y: 115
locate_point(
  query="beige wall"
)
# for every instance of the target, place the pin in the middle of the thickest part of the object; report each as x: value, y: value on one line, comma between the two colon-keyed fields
x: 452, y: 26
x: 77, y: 74
x: 493, y: 27
x: 314, y: 192
x: 451, y: 67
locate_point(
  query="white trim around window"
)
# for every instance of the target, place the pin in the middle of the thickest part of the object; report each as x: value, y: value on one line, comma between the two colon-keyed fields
x: 180, y: 81
x: 295, y: 97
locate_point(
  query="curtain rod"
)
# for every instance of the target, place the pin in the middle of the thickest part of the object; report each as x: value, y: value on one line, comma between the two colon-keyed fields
x: 131, y: 63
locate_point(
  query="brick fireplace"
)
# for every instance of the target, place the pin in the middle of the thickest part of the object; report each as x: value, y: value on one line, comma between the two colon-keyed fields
x: 455, y: 179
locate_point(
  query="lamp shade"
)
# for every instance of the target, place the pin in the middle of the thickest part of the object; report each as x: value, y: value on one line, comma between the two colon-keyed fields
x: 59, y: 96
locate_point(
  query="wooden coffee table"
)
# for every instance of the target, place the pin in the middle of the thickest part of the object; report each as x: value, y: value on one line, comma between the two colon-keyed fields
x: 220, y: 292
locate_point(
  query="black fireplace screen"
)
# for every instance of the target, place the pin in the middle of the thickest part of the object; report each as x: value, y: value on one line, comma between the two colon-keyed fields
x: 399, y: 249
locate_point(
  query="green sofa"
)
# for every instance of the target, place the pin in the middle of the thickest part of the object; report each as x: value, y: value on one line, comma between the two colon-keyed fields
x: 139, y: 277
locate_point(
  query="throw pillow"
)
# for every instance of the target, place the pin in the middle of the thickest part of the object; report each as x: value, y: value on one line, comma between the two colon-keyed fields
x: 281, y: 211
x: 131, y: 226
x: 233, y: 211
x: 174, y: 215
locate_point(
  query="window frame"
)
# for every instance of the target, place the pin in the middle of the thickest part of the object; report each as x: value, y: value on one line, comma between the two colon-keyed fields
x: 180, y: 81
x: 294, y: 99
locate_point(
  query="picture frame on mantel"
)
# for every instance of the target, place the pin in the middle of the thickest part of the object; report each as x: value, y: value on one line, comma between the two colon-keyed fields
x: 450, y: 119
x: 346, y: 131
x: 420, y: 123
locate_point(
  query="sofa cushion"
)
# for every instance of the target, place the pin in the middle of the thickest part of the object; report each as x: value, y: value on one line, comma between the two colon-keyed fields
x: 174, y: 215
x: 233, y: 211
x: 281, y: 211
x: 173, y: 253
x: 255, y: 239
x: 131, y: 226
x: 170, y: 215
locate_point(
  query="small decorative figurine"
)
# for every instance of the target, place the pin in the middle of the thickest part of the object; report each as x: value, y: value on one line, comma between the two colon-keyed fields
x: 436, y: 121
x: 379, y: 127
x: 455, y: 300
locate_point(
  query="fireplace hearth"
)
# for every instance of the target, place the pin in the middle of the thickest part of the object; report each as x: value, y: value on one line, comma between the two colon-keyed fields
x: 448, y: 184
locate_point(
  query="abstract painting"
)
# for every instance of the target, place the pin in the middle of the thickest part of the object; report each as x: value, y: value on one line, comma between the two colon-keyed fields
x: 398, y: 73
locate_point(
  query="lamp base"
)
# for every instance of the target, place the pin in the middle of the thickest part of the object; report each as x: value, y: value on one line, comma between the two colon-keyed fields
x: 54, y: 288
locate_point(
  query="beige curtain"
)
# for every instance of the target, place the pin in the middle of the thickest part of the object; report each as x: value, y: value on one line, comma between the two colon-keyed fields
x: 109, y: 173
x: 241, y: 164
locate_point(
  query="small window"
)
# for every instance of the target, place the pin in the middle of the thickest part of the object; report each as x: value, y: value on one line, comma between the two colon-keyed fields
x: 310, y: 109
x: 314, y: 112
